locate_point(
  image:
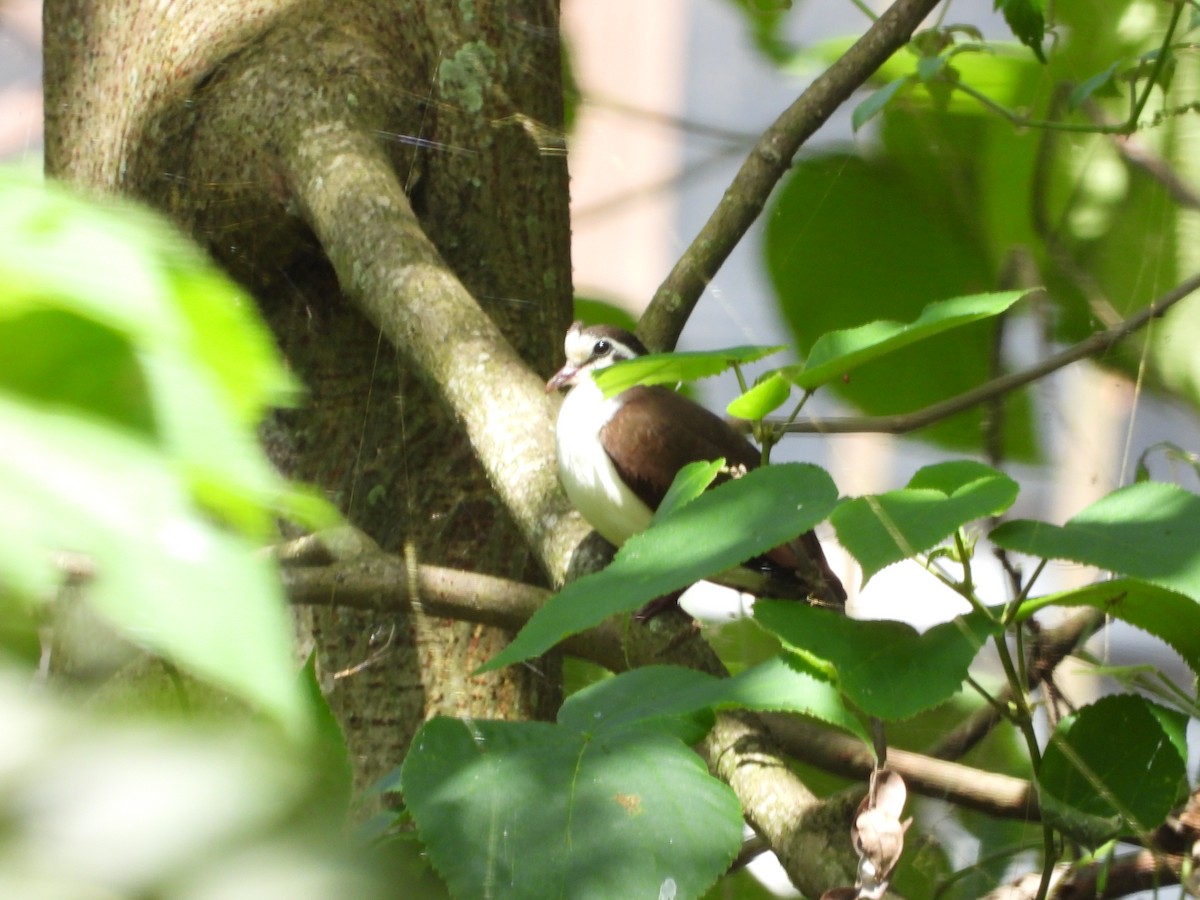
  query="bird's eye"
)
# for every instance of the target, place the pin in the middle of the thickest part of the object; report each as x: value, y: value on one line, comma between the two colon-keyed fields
x: 602, y: 348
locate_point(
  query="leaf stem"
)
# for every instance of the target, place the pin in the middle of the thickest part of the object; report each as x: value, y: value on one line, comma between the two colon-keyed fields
x: 1022, y: 717
x: 964, y: 556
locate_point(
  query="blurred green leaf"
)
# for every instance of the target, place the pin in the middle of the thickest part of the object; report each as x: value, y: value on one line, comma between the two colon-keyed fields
x: 1027, y: 19
x: 874, y: 104
x: 882, y: 529
x: 1102, y: 84
x: 1001, y: 71
x: 54, y: 357
x: 135, y: 375
x: 330, y: 755
x: 1095, y: 787
x: 765, y: 20
x: 104, y: 806
x: 886, y: 668
x: 723, y: 527
x: 595, y: 311
x: 115, y: 264
x: 175, y: 349
x: 164, y: 575
x: 1170, y: 451
x: 672, y: 368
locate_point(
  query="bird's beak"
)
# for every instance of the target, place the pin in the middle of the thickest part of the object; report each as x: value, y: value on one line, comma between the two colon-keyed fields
x: 563, y: 378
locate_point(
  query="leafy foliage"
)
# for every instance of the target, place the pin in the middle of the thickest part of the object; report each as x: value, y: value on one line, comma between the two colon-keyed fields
x: 1142, y: 775
x: 828, y: 285
x: 781, y: 502
x: 940, y: 499
x: 1150, y: 531
x: 134, y: 377
x: 886, y: 668
x: 121, y: 807
x: 133, y: 382
x: 889, y: 266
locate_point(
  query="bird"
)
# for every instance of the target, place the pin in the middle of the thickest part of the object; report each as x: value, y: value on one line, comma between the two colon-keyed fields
x: 618, y: 455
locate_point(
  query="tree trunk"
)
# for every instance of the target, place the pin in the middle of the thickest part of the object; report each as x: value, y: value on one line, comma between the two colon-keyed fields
x: 202, y: 108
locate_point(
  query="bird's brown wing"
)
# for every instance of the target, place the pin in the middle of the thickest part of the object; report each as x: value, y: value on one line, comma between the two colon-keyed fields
x: 657, y: 431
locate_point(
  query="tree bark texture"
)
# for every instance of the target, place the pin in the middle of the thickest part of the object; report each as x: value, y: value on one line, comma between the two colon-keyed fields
x: 203, y: 108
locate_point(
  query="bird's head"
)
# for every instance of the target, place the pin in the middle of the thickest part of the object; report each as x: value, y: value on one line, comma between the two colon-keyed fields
x: 590, y: 348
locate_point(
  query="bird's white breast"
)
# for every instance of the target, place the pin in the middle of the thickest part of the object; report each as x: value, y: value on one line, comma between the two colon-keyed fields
x: 588, y: 475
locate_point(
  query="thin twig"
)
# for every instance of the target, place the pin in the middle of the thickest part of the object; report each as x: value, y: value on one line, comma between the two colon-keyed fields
x: 997, y: 795
x: 903, y: 423
x: 768, y: 161
x: 1053, y: 647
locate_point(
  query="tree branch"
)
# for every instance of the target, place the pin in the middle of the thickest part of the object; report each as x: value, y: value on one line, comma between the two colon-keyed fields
x: 393, y: 272
x: 1120, y: 877
x: 344, y: 567
x: 771, y: 157
x: 810, y: 837
x: 1090, y: 346
x: 997, y: 795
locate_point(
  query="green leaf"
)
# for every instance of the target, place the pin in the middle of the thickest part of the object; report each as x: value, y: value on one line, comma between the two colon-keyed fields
x: 883, y: 529
x: 837, y: 352
x: 1172, y: 617
x: 166, y: 576
x: 133, y: 272
x: 672, y: 368
x: 1102, y: 84
x: 788, y: 683
x: 887, y: 668
x: 530, y: 810
x: 1150, y: 531
x: 873, y: 105
x: 765, y: 20
x: 1096, y: 786
x: 1027, y: 19
x: 672, y: 697
x: 690, y: 482
x: 179, y: 352
x: 667, y: 697
x: 329, y: 755
x: 733, y: 522
x: 770, y: 393
x: 930, y: 67
x: 54, y: 357
x: 601, y: 312
x: 1172, y: 453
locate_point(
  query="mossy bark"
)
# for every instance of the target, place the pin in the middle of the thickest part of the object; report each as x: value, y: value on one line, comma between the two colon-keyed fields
x: 198, y: 107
